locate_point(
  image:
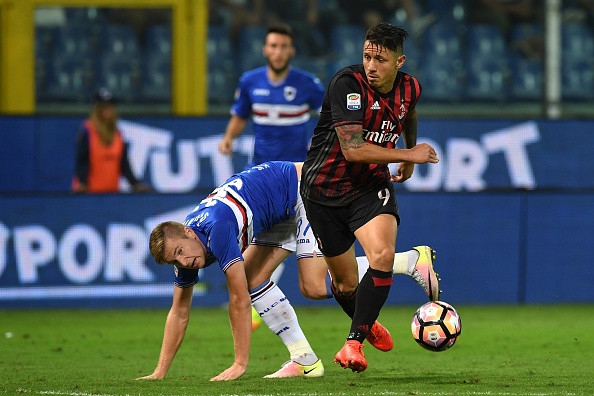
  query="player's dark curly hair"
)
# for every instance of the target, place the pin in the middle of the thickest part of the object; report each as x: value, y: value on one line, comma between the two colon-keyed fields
x: 387, y: 35
x: 280, y: 29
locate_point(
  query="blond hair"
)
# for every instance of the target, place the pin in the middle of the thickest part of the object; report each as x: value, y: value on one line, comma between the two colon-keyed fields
x: 165, y: 230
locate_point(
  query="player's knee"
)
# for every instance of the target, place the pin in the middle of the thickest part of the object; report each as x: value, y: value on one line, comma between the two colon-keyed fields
x: 346, y: 286
x: 313, y: 292
x: 309, y: 293
x: 382, y: 260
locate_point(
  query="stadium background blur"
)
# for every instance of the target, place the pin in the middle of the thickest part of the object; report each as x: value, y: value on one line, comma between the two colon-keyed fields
x: 509, y: 209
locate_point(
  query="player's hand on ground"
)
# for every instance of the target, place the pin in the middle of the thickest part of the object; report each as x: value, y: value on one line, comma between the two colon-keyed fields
x: 231, y: 373
x: 423, y: 153
x: 226, y: 146
x: 405, y: 171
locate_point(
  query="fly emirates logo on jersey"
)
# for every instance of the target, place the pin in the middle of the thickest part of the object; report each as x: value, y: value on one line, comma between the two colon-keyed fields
x: 386, y: 134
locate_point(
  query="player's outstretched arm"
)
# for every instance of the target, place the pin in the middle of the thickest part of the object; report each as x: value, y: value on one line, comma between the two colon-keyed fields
x: 175, y: 330
x: 240, y: 315
x: 356, y: 149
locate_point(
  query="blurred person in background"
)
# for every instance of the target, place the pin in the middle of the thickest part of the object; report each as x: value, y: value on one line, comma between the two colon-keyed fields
x: 101, y: 153
x: 279, y: 99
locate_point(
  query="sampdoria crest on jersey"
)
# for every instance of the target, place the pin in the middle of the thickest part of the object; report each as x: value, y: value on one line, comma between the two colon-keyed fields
x: 353, y: 101
x: 290, y: 93
x: 176, y: 271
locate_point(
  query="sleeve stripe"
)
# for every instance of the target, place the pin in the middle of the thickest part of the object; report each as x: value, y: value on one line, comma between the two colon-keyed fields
x: 230, y: 263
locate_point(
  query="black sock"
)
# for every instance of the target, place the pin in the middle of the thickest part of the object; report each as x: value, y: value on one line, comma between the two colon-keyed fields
x: 346, y: 302
x: 372, y: 294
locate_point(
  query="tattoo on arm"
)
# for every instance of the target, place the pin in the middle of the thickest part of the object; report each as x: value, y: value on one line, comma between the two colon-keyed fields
x: 409, y: 129
x: 350, y: 136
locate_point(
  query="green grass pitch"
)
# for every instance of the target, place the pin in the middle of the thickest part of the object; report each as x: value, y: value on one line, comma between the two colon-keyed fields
x: 503, y: 350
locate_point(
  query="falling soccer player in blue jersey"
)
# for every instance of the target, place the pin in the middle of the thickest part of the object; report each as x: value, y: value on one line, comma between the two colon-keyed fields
x: 261, y: 205
x: 248, y: 225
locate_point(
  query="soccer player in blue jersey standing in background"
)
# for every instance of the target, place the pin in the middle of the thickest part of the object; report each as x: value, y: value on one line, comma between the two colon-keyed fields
x: 279, y: 99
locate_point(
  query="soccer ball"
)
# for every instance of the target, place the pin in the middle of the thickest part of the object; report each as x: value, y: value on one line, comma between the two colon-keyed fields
x: 436, y: 326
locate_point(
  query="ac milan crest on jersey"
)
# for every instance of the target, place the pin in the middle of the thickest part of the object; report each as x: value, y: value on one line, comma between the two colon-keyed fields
x: 401, y: 111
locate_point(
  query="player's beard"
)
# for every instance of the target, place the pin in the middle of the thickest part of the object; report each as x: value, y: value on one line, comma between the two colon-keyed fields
x: 278, y: 70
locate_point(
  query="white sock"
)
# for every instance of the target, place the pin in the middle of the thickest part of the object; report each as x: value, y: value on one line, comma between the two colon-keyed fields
x: 363, y: 264
x: 280, y: 317
x: 404, y: 263
x: 278, y: 272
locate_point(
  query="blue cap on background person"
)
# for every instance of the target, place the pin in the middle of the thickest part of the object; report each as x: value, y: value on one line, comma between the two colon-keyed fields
x: 103, y: 97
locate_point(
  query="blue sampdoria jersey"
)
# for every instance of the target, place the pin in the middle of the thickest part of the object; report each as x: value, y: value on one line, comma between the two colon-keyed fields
x: 280, y: 112
x: 246, y: 204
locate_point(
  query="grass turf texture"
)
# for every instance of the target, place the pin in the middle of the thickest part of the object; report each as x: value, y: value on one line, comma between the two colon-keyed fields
x: 529, y: 350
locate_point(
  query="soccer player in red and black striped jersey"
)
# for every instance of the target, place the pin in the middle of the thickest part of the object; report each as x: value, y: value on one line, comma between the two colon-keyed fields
x: 346, y: 184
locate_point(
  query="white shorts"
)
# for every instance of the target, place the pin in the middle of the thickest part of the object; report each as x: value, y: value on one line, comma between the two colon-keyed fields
x: 294, y: 235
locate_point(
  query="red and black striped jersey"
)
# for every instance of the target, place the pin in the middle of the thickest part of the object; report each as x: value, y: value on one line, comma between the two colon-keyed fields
x: 327, y: 177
